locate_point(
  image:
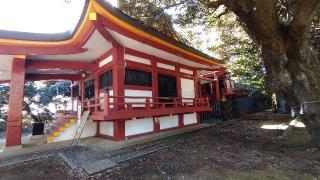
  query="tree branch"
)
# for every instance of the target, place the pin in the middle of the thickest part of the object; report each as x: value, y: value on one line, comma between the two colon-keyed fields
x: 302, y: 20
x: 175, y: 4
x: 222, y: 13
x: 213, y: 4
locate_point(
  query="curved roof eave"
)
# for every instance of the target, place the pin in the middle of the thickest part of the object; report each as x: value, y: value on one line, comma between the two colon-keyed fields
x: 26, y: 39
x: 29, y: 36
x: 12, y: 38
x: 115, y: 14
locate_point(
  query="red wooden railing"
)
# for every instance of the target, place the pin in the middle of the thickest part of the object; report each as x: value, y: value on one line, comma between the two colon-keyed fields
x: 113, y: 104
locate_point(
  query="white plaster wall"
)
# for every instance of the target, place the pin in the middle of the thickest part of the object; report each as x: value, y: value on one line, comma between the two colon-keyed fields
x: 169, y: 122
x: 89, y: 130
x: 106, y: 128
x: 187, y: 89
x: 144, y: 93
x: 166, y: 66
x: 187, y: 71
x: 101, y: 100
x: 105, y: 61
x: 189, y: 118
x: 137, y: 59
x: 75, y: 105
x: 138, y: 126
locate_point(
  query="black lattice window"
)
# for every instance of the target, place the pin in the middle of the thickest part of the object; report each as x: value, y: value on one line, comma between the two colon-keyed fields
x: 167, y: 86
x: 138, y: 78
x: 105, y: 80
x: 76, y: 91
x: 89, y: 89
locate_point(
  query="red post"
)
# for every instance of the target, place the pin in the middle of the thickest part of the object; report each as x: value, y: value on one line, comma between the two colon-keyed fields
x: 119, y: 129
x: 156, y: 121
x: 14, y: 122
x: 181, y: 123
x: 81, y: 85
x: 178, y: 81
x: 106, y: 106
x: 129, y: 106
x: 148, y: 103
x: 118, y: 77
x: 155, y: 90
x: 96, y: 92
x: 175, y: 102
x: 217, y: 90
x: 71, y: 96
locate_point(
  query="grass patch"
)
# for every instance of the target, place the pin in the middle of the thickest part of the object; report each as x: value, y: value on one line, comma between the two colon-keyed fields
x: 295, y: 137
x: 313, y: 156
x: 263, y: 175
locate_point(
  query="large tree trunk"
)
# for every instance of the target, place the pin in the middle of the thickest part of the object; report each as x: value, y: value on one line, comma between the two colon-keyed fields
x: 304, y: 68
x: 293, y: 66
x: 296, y: 76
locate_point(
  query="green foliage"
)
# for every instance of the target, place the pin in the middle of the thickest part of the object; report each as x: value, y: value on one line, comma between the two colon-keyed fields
x: 4, y: 99
x: 234, y: 47
x: 315, y: 32
x: 53, y: 89
x: 37, y: 96
x: 242, y: 55
x: 150, y: 14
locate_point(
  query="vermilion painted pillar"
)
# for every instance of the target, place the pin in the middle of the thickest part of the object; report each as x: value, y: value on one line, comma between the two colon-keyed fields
x: 155, y: 90
x: 118, y: 71
x: 82, y: 93
x: 197, y: 93
x: 14, y: 122
x: 118, y: 74
x: 218, y: 97
x: 96, y: 95
x: 179, y: 93
x: 155, y: 93
x: 119, y: 129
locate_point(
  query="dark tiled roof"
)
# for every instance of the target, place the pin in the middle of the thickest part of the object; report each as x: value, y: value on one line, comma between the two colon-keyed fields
x: 120, y: 14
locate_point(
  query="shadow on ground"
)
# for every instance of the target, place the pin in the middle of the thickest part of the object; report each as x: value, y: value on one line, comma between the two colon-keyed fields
x: 242, y: 150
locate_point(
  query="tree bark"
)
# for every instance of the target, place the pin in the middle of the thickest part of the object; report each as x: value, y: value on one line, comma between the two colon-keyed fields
x: 292, y: 64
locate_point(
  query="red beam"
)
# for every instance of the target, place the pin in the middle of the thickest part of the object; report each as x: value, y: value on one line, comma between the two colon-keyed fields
x: 102, y: 30
x: 4, y: 81
x: 50, y: 64
x: 129, y: 114
x: 42, y: 77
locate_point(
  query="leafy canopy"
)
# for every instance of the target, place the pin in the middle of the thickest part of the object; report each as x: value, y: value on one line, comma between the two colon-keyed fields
x: 234, y: 46
x: 37, y: 97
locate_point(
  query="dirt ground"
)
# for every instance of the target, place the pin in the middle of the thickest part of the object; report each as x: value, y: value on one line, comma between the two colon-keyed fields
x: 241, y: 150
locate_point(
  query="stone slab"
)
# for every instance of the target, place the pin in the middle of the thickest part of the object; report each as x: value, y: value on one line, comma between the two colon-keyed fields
x: 66, y: 160
x: 98, y: 166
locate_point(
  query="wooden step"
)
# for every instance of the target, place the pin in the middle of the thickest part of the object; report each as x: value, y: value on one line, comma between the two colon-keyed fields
x: 67, y: 125
x: 72, y: 121
x: 50, y: 138
x: 61, y: 129
x: 56, y: 133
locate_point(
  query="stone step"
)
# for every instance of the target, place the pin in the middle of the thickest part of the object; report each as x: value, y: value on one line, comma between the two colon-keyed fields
x: 50, y: 138
x: 61, y: 129
x: 56, y: 133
